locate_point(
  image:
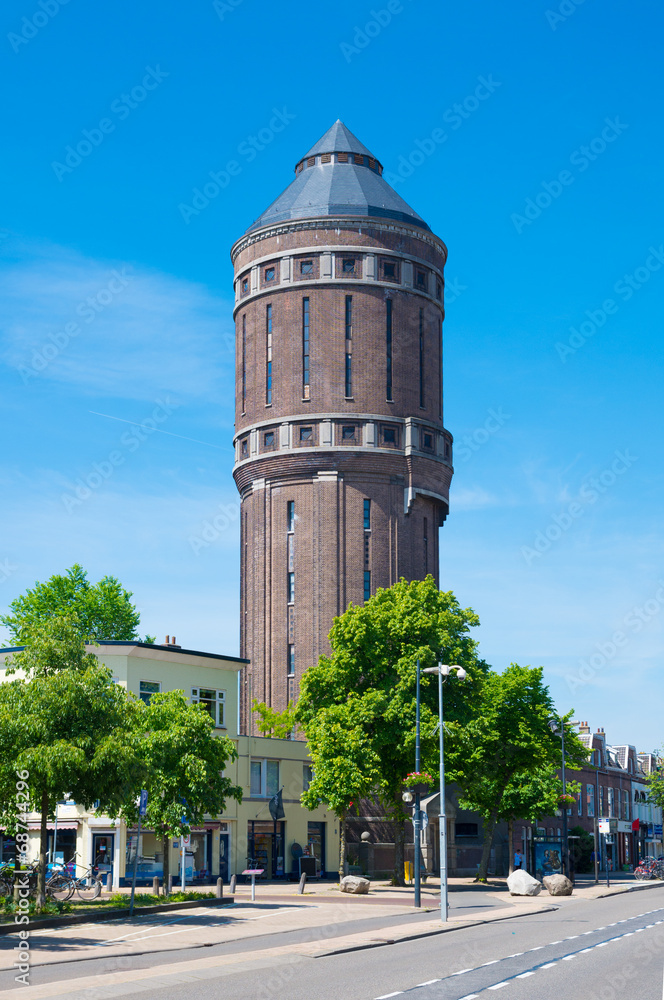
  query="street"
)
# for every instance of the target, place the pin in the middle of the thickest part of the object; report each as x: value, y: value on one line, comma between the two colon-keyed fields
x: 596, y: 949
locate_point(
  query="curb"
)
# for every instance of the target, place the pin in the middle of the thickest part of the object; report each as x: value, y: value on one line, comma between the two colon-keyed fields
x: 633, y: 887
x: 432, y: 933
x: 92, y: 918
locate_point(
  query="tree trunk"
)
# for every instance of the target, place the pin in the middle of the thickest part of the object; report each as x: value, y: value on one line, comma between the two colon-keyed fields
x: 167, y: 869
x: 399, y: 840
x: 510, y: 845
x: 342, y: 845
x: 43, y: 839
x: 489, y: 827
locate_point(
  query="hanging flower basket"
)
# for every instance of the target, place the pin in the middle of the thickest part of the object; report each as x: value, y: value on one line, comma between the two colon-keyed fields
x: 418, y: 781
x: 567, y: 800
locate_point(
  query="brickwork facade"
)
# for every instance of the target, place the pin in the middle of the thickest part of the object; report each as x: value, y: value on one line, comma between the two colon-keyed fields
x: 342, y: 461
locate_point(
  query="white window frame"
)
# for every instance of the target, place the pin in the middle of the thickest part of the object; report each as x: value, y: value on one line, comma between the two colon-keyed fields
x: 219, y: 701
x: 141, y: 693
x: 264, y: 761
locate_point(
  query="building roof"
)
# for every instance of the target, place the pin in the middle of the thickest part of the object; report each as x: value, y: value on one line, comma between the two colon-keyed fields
x: 152, y: 646
x: 353, y: 186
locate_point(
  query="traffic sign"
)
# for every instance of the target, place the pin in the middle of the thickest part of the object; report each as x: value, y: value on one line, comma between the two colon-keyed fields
x: 143, y: 803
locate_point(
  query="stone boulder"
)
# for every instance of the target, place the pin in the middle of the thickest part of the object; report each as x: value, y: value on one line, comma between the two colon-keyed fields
x: 558, y: 885
x: 520, y: 883
x: 355, y: 884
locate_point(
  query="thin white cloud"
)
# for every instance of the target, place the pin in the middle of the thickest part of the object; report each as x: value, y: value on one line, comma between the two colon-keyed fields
x: 110, y: 328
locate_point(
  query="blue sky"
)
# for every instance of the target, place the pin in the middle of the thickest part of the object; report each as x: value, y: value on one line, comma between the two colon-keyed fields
x: 116, y: 301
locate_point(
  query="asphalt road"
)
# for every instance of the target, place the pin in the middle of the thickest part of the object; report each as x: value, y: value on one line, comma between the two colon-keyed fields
x: 587, y: 950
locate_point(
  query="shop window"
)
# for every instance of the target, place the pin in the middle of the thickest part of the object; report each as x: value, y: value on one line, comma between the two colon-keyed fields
x: 465, y: 830
x: 212, y: 700
x: 147, y: 689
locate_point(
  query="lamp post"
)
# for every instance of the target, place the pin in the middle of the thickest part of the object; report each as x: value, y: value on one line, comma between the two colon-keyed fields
x: 443, y: 672
x: 557, y: 725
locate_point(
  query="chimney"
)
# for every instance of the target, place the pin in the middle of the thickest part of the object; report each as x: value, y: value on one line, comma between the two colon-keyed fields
x: 584, y: 727
x: 174, y: 644
x: 167, y: 640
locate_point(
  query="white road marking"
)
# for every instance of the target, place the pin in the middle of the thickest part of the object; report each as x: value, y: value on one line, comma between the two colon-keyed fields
x: 386, y: 996
x: 524, y: 975
x: 429, y: 982
x: 499, y: 986
x: 549, y: 965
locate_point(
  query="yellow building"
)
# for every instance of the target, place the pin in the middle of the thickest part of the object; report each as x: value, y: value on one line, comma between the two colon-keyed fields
x: 224, y: 844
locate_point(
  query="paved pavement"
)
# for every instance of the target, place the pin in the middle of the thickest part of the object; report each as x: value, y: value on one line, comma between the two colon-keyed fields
x: 338, y: 947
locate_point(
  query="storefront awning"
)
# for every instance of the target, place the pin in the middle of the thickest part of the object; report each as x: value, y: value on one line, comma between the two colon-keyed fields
x: 65, y: 825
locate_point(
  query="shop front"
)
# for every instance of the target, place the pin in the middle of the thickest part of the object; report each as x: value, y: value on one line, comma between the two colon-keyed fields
x: 266, y: 848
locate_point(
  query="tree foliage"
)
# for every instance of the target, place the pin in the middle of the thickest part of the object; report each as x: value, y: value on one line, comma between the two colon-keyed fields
x: 184, y: 763
x: 505, y: 758
x: 346, y: 766
x: 70, y: 727
x: 271, y: 723
x: 374, y: 653
x: 101, y: 610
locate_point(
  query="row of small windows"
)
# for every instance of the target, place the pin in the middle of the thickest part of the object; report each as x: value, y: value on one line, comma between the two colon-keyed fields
x: 389, y: 436
x: 389, y: 269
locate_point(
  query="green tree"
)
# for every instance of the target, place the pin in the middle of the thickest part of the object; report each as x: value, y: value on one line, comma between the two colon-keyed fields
x: 103, y: 610
x: 529, y: 796
x: 184, y: 762
x: 374, y: 653
x: 271, y: 723
x: 500, y: 757
x: 655, y: 782
x: 67, y: 725
x: 346, y: 766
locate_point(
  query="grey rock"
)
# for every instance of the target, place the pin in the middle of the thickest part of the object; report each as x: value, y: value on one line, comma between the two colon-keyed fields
x: 355, y: 884
x: 558, y: 885
x: 520, y: 883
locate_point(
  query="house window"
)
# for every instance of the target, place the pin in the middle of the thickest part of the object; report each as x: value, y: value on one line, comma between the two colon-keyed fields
x: 291, y: 659
x: 421, y: 279
x: 306, y: 267
x: 306, y: 433
x: 348, y: 266
x: 388, y: 270
x: 147, y: 689
x: 290, y: 515
x: 427, y: 441
x: 465, y: 830
x: 579, y: 804
x: 272, y: 778
x: 307, y: 775
x: 269, y: 273
x: 305, y: 348
x: 388, y: 347
x: 612, y: 802
x: 602, y: 801
x: 389, y: 435
x: 244, y: 448
x: 268, y: 356
x: 291, y: 588
x: 268, y: 439
x: 245, y: 284
x: 626, y: 803
x: 367, y: 584
x: 244, y: 362
x: 422, y: 358
x: 348, y: 382
x: 367, y: 515
x: 590, y: 801
x: 212, y: 700
x: 348, y: 432
x: 256, y: 785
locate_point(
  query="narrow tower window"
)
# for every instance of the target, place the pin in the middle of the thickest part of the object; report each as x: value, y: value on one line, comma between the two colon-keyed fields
x: 291, y: 659
x: 268, y: 356
x: 291, y: 588
x: 388, y: 347
x: 244, y: 362
x: 366, y: 514
x: 349, y: 346
x: 290, y: 515
x: 422, y: 358
x: 305, y: 348
x: 367, y: 584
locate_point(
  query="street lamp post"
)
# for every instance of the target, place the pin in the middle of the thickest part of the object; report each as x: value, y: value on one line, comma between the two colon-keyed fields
x: 557, y: 725
x: 443, y: 672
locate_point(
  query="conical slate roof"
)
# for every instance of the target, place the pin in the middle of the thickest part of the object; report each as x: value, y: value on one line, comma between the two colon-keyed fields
x: 350, y: 184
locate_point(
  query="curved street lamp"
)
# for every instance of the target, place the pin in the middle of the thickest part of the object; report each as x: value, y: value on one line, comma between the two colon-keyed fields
x: 443, y: 671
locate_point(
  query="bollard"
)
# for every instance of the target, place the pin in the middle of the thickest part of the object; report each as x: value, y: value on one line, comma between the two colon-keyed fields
x: 170, y: 884
x: 303, y: 882
x: 220, y: 888
x: 109, y: 881
x: 155, y: 886
x: 231, y: 887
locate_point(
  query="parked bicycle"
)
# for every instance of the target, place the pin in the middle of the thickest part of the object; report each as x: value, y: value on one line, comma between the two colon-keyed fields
x: 649, y: 868
x: 87, y: 885
x: 56, y: 886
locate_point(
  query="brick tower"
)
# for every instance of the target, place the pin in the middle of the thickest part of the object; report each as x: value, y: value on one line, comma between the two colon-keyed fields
x: 342, y: 461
